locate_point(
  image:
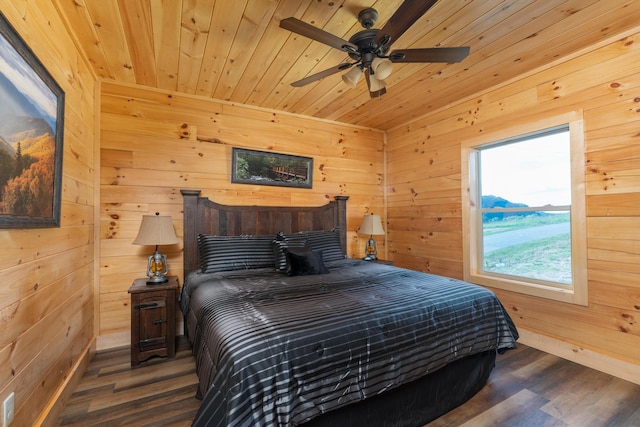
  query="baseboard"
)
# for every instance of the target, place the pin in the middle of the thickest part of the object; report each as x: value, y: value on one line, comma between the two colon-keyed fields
x: 618, y: 368
x: 50, y: 414
x: 113, y: 340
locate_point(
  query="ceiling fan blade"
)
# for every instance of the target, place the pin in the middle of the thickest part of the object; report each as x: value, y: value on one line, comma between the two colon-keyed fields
x: 435, y: 54
x: 299, y: 27
x: 321, y: 75
x: 403, y: 18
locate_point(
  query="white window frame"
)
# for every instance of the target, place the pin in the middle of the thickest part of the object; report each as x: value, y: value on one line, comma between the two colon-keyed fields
x: 577, y: 291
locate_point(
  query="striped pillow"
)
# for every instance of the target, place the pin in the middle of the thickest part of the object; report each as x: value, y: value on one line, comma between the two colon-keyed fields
x: 225, y: 253
x: 328, y: 242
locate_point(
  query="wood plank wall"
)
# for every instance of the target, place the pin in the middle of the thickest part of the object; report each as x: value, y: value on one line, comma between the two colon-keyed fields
x: 424, y: 194
x: 46, y: 291
x: 155, y: 143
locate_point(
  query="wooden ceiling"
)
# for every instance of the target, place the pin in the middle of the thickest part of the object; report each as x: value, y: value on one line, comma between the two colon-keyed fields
x: 234, y: 50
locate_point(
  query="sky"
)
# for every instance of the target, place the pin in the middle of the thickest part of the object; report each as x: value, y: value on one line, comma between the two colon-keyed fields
x: 16, y: 69
x: 538, y: 171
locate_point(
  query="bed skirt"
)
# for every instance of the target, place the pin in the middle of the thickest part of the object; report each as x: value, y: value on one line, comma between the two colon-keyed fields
x: 418, y: 402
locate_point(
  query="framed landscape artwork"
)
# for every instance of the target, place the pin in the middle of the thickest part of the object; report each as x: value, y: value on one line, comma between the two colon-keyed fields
x: 266, y: 168
x: 31, y: 136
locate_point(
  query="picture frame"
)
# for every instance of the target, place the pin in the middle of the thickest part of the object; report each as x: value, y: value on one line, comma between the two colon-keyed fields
x: 31, y: 136
x: 267, y: 168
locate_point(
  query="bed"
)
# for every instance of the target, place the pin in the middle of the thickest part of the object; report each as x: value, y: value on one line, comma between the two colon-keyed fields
x: 286, y: 330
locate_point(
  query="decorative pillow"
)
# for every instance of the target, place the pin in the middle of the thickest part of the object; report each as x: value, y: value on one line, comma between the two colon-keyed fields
x: 328, y: 242
x: 225, y: 253
x: 284, y: 242
x: 305, y: 263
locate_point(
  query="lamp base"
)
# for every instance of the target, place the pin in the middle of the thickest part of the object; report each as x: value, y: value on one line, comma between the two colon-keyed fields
x: 371, y: 250
x: 157, y: 268
x: 157, y: 280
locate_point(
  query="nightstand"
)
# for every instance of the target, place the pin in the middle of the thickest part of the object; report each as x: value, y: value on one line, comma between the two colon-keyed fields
x: 153, y: 319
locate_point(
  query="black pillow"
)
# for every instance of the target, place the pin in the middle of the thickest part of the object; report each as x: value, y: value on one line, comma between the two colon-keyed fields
x: 284, y: 242
x: 305, y: 263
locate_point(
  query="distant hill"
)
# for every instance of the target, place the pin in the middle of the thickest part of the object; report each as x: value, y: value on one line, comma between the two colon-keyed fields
x: 491, y: 201
x: 18, y: 114
x: 5, y: 146
x: 38, y: 146
x: 16, y: 129
x: 498, y: 202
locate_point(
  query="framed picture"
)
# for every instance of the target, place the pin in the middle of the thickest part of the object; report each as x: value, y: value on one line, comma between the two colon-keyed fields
x: 31, y: 129
x: 266, y: 168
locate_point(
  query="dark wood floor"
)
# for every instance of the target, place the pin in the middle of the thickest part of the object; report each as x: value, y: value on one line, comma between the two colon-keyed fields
x: 158, y: 392
x: 527, y: 388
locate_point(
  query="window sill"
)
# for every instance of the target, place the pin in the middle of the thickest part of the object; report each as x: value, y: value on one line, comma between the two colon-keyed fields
x: 541, y: 290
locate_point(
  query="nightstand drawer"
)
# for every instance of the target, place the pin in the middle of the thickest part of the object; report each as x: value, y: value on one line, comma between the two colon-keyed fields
x: 153, y: 319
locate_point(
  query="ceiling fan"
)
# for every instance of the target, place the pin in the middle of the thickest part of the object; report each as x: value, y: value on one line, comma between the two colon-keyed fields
x: 369, y: 47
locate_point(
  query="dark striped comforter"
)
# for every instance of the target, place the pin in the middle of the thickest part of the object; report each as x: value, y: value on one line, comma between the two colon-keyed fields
x: 278, y: 350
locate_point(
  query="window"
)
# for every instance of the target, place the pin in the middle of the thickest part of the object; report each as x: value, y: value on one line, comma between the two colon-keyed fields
x: 524, y: 213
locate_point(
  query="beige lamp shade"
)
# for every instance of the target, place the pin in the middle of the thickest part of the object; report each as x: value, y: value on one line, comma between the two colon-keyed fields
x: 371, y: 225
x: 352, y: 77
x: 375, y: 85
x: 382, y: 68
x: 156, y: 230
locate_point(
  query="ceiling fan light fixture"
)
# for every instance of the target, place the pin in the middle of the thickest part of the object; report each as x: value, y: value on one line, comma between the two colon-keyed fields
x: 381, y: 67
x: 376, y: 85
x: 352, y: 77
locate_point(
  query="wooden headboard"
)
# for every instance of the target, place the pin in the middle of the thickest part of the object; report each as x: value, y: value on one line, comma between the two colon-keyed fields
x: 202, y: 216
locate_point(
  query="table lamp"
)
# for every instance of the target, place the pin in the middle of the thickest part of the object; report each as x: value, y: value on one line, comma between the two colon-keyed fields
x: 156, y: 230
x: 371, y: 225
